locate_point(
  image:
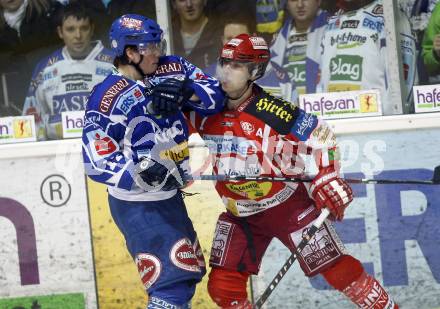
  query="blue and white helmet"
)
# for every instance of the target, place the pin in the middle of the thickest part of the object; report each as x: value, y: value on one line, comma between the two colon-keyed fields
x: 137, y: 30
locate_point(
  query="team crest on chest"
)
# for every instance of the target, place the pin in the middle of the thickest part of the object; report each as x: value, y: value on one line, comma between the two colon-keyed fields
x: 247, y: 127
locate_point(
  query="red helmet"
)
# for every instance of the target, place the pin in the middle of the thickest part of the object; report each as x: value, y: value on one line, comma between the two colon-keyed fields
x: 247, y: 49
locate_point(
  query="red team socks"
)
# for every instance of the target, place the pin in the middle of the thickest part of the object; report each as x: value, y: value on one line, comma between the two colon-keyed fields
x: 367, y: 293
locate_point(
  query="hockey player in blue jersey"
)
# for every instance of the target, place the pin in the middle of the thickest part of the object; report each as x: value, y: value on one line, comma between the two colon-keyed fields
x: 135, y: 140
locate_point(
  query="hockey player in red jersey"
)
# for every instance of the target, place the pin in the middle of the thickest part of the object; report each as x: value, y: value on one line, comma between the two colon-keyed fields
x: 258, y: 134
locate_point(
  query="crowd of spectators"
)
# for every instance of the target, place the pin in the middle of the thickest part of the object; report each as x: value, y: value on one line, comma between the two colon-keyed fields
x: 316, y: 46
x: 29, y: 33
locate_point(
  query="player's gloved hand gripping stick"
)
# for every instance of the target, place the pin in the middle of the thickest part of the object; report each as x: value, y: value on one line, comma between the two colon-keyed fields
x: 306, y: 238
x: 156, y: 175
x: 318, y: 222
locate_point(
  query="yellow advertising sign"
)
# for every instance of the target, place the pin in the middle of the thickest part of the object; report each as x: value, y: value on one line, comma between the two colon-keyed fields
x: 368, y: 102
x: 22, y: 128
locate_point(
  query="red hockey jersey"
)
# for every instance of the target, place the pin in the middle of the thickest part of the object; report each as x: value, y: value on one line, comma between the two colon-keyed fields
x: 264, y: 136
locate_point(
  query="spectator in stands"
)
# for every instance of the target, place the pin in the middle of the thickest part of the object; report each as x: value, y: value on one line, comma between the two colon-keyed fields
x: 195, y: 35
x: 27, y: 32
x: 418, y: 12
x: 353, y: 51
x: 409, y: 57
x: 270, y: 16
x: 296, y: 47
x: 431, y: 46
x: 108, y: 10
x: 97, y: 11
x: 62, y: 81
x: 234, y: 24
x: 276, y: 81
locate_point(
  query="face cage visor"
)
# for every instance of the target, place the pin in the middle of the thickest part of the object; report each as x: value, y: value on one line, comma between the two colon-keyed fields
x: 253, y: 68
x: 236, y: 64
x: 149, y: 48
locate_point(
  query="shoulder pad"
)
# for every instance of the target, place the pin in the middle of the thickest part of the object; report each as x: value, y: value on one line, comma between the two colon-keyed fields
x: 277, y: 113
x: 129, y: 98
x: 304, y: 125
x: 110, y: 89
x: 169, y: 65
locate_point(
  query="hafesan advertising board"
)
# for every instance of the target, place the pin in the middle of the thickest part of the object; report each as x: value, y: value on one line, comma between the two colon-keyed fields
x: 73, y: 123
x: 344, y: 104
x: 426, y: 98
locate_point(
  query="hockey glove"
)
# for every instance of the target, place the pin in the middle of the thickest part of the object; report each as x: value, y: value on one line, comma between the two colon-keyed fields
x: 169, y: 96
x: 159, y: 177
x: 328, y: 190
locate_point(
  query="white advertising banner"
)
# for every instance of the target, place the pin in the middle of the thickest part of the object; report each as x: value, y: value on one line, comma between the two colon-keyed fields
x: 45, y: 244
x: 426, y: 98
x: 345, y: 104
x: 393, y: 230
x: 73, y: 123
x: 17, y: 129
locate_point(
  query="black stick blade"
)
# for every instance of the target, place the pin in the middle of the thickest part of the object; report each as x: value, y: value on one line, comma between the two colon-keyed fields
x: 436, y: 177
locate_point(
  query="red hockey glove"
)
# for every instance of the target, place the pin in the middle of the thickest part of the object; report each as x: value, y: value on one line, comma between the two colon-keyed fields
x: 328, y: 190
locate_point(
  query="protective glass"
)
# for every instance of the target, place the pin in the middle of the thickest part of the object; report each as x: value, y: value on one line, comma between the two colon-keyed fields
x: 153, y: 48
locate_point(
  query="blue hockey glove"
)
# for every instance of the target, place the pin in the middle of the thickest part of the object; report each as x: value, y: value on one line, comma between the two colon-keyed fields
x: 159, y: 177
x: 169, y: 96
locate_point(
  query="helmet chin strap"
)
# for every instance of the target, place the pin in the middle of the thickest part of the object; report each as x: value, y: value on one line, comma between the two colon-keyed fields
x: 137, y: 66
x: 249, y: 82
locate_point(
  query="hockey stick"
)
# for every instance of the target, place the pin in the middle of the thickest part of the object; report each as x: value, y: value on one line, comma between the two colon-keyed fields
x: 435, y: 179
x: 306, y: 238
x: 314, y: 228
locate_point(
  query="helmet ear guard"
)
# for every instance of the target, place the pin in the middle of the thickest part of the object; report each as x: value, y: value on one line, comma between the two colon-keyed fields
x: 258, y: 71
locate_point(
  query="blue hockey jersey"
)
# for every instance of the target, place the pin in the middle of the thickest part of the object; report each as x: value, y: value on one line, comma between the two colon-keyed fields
x: 119, y: 132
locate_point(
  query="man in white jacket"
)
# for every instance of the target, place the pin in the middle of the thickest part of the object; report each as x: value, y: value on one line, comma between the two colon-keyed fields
x: 296, y: 47
x: 63, y: 80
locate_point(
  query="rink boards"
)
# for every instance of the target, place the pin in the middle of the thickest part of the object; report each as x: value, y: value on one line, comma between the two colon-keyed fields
x: 60, y: 246
x: 392, y: 229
